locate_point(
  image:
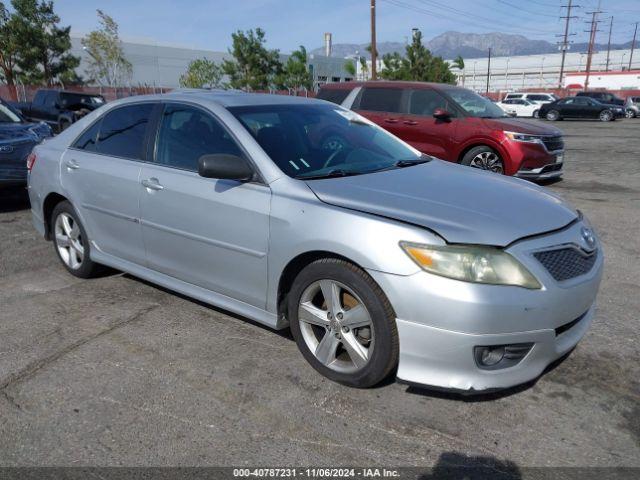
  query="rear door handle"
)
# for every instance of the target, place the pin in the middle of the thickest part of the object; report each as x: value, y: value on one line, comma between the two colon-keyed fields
x: 410, y: 122
x: 72, y: 165
x: 391, y: 120
x: 152, y: 184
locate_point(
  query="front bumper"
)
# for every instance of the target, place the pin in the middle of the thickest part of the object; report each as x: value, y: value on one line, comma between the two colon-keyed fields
x: 546, y: 172
x: 441, y: 320
x: 10, y: 177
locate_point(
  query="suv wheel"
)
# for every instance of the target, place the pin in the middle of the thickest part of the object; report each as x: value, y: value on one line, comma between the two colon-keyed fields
x: 484, y: 158
x: 630, y: 113
x: 71, y: 242
x: 553, y: 115
x: 606, y: 116
x: 343, y: 323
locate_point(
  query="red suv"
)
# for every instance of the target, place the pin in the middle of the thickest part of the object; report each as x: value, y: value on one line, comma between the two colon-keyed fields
x: 455, y: 124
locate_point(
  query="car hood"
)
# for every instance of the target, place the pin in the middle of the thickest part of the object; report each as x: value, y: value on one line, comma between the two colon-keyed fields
x: 461, y: 204
x: 18, y: 131
x: 521, y: 126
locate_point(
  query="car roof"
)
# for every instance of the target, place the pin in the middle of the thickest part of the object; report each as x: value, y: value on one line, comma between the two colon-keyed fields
x: 387, y: 83
x: 237, y: 98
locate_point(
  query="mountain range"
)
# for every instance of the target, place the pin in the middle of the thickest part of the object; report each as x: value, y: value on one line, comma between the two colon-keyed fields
x: 469, y: 45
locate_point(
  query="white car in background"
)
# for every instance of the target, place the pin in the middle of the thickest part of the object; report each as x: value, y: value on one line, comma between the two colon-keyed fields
x: 539, y: 98
x: 519, y: 108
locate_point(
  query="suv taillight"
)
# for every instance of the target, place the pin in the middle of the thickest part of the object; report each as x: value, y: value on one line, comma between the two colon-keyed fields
x: 31, y: 161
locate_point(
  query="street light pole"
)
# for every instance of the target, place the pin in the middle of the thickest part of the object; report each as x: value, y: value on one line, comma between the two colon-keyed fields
x: 633, y: 44
x: 488, y: 69
x: 374, y: 53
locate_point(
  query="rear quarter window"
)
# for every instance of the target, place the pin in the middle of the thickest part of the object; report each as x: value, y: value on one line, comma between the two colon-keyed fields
x: 334, y: 95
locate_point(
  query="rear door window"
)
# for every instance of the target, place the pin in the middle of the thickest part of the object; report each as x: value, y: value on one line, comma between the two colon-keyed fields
x: 122, y: 131
x: 380, y: 99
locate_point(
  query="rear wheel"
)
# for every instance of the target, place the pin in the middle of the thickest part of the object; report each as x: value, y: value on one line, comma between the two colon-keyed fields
x: 606, y: 116
x: 536, y: 114
x: 553, y: 115
x: 484, y: 158
x: 343, y: 323
x: 630, y: 113
x: 71, y: 242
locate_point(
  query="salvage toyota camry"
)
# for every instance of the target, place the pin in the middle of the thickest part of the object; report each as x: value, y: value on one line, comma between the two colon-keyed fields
x: 298, y: 213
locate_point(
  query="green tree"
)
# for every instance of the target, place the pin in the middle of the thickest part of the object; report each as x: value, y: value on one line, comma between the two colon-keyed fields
x: 9, y: 46
x: 418, y: 64
x: 253, y: 67
x: 295, y: 73
x: 107, y: 63
x: 350, y: 68
x: 459, y: 62
x: 44, y: 45
x: 202, y: 73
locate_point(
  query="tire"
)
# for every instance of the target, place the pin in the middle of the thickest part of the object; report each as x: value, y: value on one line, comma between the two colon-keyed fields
x: 536, y: 114
x: 552, y: 115
x: 630, y: 113
x: 327, y: 341
x: 606, y: 116
x: 71, y: 243
x: 484, y: 158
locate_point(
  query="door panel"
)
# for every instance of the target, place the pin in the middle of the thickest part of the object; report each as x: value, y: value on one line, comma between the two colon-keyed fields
x: 427, y: 134
x: 211, y: 233
x: 208, y: 232
x: 105, y: 191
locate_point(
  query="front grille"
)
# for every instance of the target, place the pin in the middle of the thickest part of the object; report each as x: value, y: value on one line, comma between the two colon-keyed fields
x: 566, y: 263
x: 553, y: 143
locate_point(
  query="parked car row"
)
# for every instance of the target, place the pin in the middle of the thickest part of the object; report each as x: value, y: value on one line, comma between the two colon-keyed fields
x: 454, y: 124
x: 300, y: 213
x: 58, y: 108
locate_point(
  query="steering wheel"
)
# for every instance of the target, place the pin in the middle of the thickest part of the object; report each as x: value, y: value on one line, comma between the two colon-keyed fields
x: 334, y: 156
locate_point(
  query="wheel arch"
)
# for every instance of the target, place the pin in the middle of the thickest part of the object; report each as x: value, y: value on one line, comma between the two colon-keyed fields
x: 481, y: 143
x: 291, y: 271
x: 49, y: 204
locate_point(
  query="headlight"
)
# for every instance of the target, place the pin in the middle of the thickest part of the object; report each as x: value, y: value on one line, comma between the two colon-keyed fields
x: 523, y: 137
x: 471, y: 263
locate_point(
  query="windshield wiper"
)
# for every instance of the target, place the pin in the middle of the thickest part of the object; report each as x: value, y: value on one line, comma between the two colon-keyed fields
x: 411, y: 162
x: 338, y: 172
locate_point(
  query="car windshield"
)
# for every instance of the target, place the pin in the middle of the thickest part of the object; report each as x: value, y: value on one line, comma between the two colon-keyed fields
x: 474, y: 104
x: 8, y: 116
x: 315, y: 141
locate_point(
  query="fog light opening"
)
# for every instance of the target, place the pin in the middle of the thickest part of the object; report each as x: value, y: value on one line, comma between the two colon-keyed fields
x: 495, y: 357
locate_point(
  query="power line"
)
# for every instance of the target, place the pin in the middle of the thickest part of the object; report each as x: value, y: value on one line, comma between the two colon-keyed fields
x: 564, y: 46
x: 526, y: 11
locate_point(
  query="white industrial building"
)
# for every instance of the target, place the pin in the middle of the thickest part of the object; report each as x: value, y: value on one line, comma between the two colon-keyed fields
x: 161, y: 65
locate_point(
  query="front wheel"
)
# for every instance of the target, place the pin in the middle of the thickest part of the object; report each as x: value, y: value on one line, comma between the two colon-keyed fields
x: 343, y: 323
x: 71, y: 242
x: 536, y: 114
x: 606, y: 116
x: 630, y: 113
x: 484, y: 158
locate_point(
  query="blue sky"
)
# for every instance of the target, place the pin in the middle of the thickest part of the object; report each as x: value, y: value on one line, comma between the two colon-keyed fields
x: 208, y: 24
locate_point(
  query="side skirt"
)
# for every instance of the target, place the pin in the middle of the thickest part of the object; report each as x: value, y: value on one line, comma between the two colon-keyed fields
x: 216, y: 299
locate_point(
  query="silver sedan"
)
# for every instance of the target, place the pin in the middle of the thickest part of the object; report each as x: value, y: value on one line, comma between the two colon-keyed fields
x: 298, y: 213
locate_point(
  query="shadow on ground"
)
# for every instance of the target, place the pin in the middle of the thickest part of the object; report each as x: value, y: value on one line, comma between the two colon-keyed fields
x: 458, y: 466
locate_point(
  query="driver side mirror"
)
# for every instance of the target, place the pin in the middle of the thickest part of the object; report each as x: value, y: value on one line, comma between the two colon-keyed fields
x: 223, y: 166
x: 442, y: 114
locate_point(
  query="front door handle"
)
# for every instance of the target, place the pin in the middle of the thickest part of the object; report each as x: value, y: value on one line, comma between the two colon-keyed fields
x: 152, y: 184
x: 72, y: 165
x: 391, y: 120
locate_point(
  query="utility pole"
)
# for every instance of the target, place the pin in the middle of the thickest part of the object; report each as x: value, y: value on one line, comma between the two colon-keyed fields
x: 606, y: 69
x: 564, y: 45
x: 374, y: 53
x: 633, y: 44
x: 592, y: 41
x: 488, y: 69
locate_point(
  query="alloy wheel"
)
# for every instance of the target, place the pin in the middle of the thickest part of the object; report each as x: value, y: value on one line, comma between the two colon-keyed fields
x: 630, y: 114
x: 605, y: 116
x: 487, y: 161
x: 69, y: 243
x: 336, y: 326
x: 553, y: 115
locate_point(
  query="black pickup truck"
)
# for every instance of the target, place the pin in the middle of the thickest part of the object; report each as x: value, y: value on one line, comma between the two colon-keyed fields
x: 58, y: 108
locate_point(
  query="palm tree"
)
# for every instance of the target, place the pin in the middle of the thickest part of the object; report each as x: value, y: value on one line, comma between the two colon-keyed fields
x: 459, y: 64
